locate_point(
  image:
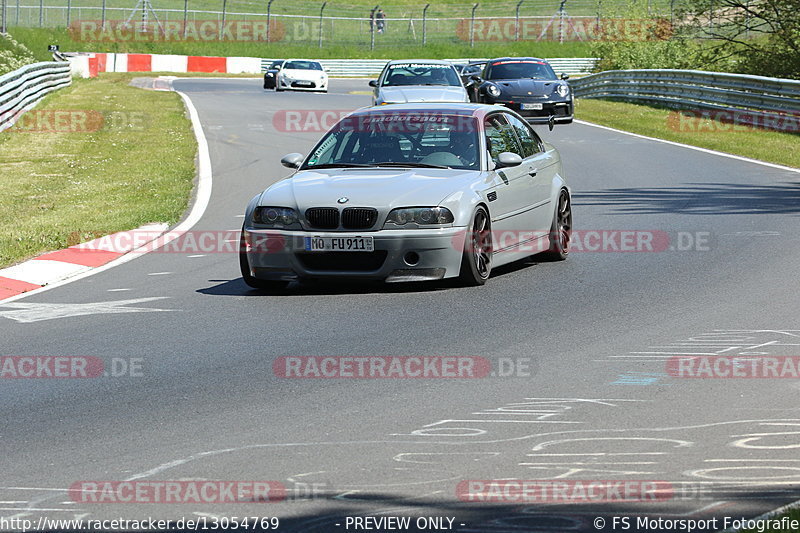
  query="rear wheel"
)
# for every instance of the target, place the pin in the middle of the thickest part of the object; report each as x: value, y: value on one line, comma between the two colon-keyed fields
x: 561, y: 229
x: 256, y: 283
x: 476, y: 262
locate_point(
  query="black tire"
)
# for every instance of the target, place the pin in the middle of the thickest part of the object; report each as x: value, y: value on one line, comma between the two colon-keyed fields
x: 476, y: 261
x: 272, y: 286
x: 278, y: 89
x: 561, y: 229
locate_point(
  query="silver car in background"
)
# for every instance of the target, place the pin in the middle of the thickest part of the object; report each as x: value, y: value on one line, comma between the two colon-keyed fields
x: 410, y: 192
x: 418, y: 80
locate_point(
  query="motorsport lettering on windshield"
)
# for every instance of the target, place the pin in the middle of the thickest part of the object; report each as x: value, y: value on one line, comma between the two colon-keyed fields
x: 406, y: 122
x: 418, y: 65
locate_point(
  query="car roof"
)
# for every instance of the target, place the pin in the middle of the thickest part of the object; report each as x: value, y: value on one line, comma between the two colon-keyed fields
x: 428, y: 61
x: 447, y: 108
x: 517, y: 59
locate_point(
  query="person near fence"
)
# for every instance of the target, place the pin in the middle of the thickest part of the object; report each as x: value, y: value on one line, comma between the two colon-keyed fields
x: 380, y: 20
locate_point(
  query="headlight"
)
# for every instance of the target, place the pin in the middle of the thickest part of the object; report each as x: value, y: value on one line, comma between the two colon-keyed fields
x: 421, y: 216
x: 276, y: 217
x: 493, y: 90
x: 562, y: 89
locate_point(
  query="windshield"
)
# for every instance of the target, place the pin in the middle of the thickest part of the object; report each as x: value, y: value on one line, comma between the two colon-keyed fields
x: 400, y: 138
x: 515, y: 69
x: 420, y: 74
x: 276, y: 64
x: 303, y: 65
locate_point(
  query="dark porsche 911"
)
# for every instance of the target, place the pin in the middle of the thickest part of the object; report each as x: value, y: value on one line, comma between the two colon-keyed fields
x: 527, y: 85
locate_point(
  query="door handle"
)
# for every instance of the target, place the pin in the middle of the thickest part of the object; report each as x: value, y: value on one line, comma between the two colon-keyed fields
x: 532, y: 173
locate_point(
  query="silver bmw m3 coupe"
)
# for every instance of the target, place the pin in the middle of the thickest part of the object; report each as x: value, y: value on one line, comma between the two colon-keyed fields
x: 410, y: 192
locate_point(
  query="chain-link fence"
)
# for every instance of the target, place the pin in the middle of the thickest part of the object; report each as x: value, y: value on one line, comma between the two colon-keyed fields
x: 330, y: 23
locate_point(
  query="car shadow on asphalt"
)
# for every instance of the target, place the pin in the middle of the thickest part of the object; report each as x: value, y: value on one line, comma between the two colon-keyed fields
x: 237, y: 287
x: 698, y: 199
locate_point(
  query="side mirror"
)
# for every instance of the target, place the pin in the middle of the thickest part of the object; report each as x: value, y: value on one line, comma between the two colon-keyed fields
x: 508, y: 159
x: 551, y: 122
x: 292, y: 160
x: 373, y: 83
x: 564, y: 76
x: 475, y: 78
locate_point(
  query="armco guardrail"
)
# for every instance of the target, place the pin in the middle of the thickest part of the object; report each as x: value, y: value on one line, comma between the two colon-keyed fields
x: 574, y: 66
x: 24, y: 87
x: 757, y: 97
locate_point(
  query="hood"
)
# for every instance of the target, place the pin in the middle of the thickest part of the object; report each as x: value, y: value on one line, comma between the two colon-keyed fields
x: 303, y: 74
x: 522, y: 87
x: 383, y: 189
x: 423, y: 93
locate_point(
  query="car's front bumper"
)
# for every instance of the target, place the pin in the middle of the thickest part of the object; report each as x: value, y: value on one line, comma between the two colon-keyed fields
x: 281, y: 255
x: 562, y: 110
x: 297, y: 85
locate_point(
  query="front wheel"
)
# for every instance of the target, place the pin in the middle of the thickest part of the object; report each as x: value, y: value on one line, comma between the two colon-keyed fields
x: 272, y: 286
x: 476, y: 262
x: 561, y: 229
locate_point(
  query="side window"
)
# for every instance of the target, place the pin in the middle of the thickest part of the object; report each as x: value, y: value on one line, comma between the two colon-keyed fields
x: 500, y: 137
x: 531, y: 143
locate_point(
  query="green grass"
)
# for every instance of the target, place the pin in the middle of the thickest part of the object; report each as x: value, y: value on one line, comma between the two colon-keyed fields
x: 770, y: 146
x: 38, y: 39
x: 63, y: 187
x: 13, y: 54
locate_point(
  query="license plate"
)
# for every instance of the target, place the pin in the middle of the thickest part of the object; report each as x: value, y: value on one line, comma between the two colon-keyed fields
x: 339, y: 244
x: 531, y: 107
x: 307, y: 83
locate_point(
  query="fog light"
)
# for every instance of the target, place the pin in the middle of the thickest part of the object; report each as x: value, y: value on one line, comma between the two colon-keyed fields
x: 411, y: 258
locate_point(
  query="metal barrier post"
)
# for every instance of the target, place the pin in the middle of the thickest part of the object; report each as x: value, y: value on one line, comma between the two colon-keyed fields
x: 472, y: 26
x: 424, y: 24
x: 320, y: 22
x: 269, y: 17
x: 516, y: 21
x: 224, y: 10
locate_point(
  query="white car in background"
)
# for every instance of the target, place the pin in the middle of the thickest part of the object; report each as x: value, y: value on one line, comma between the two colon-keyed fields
x: 301, y: 75
x: 418, y: 80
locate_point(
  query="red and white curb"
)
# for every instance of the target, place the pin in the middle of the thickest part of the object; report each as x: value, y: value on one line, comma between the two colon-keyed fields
x: 58, y: 268
x: 64, y: 264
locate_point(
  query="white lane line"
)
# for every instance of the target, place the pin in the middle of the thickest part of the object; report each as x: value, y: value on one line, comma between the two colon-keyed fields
x: 196, y: 255
x: 202, y: 199
x: 696, y: 148
x: 118, y: 290
x: 159, y: 273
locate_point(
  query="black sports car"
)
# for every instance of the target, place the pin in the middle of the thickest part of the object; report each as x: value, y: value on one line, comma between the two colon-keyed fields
x: 527, y: 85
x: 271, y: 74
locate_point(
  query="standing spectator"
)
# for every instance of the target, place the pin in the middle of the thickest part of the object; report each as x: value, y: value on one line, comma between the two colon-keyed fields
x: 372, y: 20
x: 380, y: 20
